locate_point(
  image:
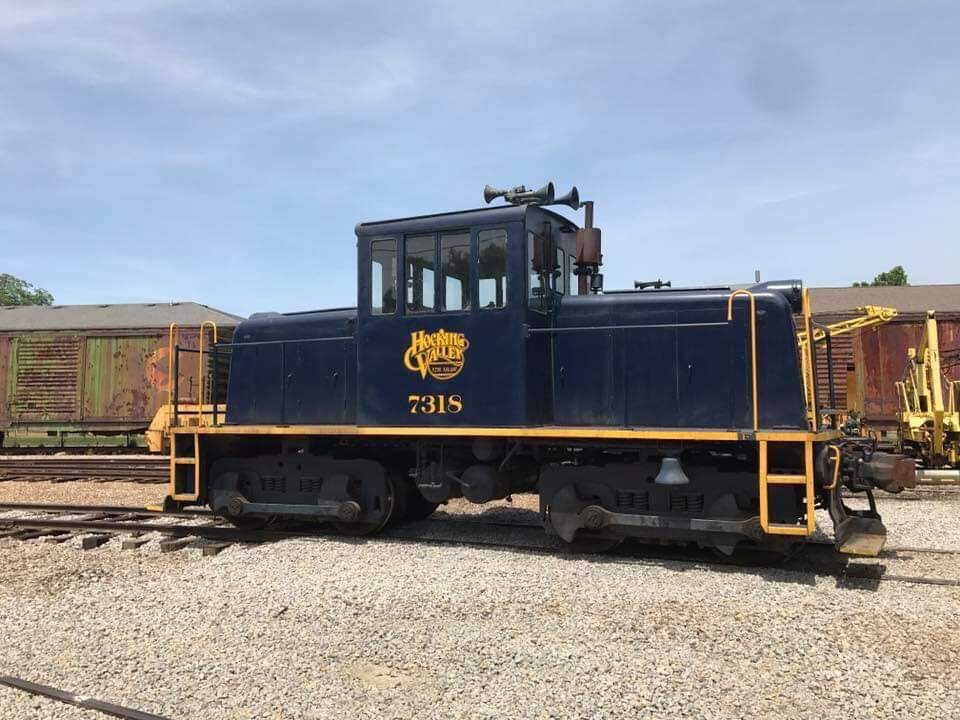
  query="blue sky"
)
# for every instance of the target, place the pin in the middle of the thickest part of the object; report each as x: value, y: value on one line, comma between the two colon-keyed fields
x: 223, y: 151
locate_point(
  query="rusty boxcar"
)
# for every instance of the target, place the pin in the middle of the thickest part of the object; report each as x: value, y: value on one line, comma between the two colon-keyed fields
x: 93, y: 375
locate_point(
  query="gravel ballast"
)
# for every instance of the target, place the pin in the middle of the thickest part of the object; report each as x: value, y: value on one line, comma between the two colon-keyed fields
x: 357, y: 628
x: 337, y: 628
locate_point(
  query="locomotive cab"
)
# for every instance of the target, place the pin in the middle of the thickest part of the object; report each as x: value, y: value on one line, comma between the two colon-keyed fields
x: 444, y: 310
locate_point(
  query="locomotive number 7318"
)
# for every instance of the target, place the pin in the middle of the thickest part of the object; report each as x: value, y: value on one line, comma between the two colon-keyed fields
x: 435, y: 404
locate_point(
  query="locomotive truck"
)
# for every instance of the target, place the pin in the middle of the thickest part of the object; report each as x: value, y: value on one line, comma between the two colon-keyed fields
x: 484, y: 358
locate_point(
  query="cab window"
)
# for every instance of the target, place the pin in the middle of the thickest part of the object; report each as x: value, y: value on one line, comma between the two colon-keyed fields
x: 560, y: 272
x: 455, y: 271
x: 540, y: 272
x: 492, y: 268
x: 383, y: 277
x: 420, y: 264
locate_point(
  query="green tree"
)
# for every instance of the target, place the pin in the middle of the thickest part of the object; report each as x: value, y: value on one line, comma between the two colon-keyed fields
x: 894, y: 276
x: 14, y: 291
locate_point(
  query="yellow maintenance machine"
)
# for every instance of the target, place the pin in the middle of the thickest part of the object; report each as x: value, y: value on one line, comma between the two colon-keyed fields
x: 929, y: 416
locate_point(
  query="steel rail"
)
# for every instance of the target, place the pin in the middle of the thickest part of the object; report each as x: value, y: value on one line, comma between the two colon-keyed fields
x: 81, y: 701
x: 651, y: 554
x: 886, y: 552
x: 111, y: 509
x: 212, y: 532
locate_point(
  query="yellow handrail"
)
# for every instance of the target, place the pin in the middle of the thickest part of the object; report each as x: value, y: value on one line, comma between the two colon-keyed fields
x: 835, y: 451
x: 809, y: 376
x: 201, y: 370
x: 173, y: 339
x: 753, y: 345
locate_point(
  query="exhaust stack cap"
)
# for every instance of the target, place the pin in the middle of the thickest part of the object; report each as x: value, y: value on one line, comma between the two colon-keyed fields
x: 671, y: 473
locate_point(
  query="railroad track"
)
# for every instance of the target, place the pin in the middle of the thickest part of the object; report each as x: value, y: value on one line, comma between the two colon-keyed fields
x: 85, y: 468
x: 94, y: 526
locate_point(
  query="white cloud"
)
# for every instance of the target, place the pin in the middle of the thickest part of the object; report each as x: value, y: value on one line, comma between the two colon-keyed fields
x: 17, y: 16
x: 139, y: 46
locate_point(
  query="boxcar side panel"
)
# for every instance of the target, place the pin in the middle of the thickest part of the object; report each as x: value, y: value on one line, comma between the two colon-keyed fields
x: 881, y: 358
x: 116, y: 382
x: 45, y: 383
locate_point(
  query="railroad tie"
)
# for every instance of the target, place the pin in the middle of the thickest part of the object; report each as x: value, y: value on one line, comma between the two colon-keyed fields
x: 211, y: 549
x: 91, y: 542
x: 134, y: 542
x: 61, y: 538
x: 174, y: 544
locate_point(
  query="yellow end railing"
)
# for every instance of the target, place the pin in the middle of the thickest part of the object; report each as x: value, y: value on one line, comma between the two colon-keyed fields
x: 809, y: 371
x: 201, y: 397
x: 173, y: 341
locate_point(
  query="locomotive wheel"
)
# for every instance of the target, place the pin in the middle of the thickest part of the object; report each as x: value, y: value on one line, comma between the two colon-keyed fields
x: 391, y: 504
x: 418, y: 507
x: 411, y: 505
x: 565, y: 507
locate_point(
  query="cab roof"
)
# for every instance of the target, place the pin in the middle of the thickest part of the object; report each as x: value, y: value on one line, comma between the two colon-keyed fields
x: 458, y: 219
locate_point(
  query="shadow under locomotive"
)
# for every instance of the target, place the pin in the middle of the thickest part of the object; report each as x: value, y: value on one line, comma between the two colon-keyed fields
x: 484, y: 358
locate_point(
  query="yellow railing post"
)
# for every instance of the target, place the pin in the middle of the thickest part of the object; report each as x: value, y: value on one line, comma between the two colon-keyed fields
x: 835, y: 452
x: 201, y: 370
x: 753, y: 346
x: 764, y: 490
x: 808, y: 477
x: 809, y: 377
x: 172, y: 340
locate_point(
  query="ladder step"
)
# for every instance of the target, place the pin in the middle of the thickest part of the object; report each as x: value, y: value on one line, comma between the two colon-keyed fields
x: 186, y: 461
x: 786, y: 479
x: 781, y: 529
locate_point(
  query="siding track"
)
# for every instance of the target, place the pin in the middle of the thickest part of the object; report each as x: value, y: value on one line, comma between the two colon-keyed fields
x: 86, y: 468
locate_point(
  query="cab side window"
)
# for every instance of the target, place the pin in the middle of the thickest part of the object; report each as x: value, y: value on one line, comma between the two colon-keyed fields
x: 560, y: 272
x: 455, y: 271
x: 540, y: 263
x: 383, y: 277
x: 492, y: 268
x: 420, y: 265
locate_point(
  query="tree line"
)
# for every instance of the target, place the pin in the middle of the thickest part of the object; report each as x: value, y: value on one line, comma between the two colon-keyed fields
x: 14, y: 291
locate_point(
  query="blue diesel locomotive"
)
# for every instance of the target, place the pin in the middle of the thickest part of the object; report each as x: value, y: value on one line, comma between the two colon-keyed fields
x: 484, y: 358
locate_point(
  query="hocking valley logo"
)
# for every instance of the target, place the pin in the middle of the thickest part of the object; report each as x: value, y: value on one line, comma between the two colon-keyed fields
x: 439, y: 354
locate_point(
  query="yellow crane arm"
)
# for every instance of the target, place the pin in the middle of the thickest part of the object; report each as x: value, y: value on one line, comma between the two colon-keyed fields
x: 872, y: 315
x: 926, y: 358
